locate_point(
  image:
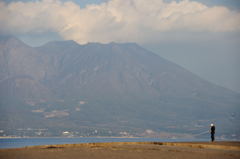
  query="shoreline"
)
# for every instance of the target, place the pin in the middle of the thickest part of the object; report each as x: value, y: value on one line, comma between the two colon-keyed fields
x: 120, y: 137
x: 28, y: 137
x: 21, y: 142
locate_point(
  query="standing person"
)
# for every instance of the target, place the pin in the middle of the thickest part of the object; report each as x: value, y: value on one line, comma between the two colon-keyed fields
x: 212, y: 132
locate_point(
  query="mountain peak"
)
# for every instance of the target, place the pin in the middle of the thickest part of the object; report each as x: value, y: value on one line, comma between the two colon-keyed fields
x: 72, y: 43
x: 114, y: 87
x: 66, y: 43
x: 110, y: 44
x: 8, y: 39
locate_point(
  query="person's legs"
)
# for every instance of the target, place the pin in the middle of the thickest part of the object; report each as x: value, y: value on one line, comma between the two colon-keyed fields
x: 212, y: 136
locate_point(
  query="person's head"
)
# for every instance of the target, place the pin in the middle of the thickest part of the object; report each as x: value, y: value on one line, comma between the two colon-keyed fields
x: 212, y: 124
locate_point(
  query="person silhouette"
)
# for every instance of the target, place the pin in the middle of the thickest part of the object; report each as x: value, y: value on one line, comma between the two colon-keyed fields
x: 212, y: 132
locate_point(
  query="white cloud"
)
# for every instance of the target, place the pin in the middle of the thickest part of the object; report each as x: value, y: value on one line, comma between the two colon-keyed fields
x: 115, y: 20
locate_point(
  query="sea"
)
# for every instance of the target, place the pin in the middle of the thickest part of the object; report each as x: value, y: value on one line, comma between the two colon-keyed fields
x: 24, y: 142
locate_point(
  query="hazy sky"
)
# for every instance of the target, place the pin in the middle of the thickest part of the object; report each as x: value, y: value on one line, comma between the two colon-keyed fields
x: 201, y: 35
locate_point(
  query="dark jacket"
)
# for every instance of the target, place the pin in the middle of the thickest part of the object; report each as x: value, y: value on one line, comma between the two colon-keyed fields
x: 212, y: 129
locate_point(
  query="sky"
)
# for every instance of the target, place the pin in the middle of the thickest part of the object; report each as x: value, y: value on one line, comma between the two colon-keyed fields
x: 200, y: 35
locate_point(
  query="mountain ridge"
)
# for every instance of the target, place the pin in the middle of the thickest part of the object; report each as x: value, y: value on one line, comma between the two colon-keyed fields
x: 108, y: 87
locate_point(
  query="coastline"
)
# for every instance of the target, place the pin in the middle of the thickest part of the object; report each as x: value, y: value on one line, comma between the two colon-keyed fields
x: 26, y: 137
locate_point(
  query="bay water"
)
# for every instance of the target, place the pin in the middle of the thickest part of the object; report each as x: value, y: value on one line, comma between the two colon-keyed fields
x: 23, y: 142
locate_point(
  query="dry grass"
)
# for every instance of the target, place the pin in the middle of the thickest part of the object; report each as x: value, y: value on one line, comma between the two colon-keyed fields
x: 125, y: 150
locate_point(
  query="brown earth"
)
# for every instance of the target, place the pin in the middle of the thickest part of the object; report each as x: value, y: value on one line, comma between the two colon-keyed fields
x: 128, y: 150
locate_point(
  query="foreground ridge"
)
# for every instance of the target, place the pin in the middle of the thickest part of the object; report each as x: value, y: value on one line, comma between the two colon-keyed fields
x: 115, y: 150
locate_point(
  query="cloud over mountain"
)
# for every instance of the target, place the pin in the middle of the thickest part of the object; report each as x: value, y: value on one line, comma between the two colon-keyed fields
x: 115, y: 20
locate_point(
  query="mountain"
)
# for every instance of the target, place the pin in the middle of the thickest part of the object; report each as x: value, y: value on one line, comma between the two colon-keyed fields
x: 108, y: 90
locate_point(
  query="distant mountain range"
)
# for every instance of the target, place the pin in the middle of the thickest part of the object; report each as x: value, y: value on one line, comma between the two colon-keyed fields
x: 107, y: 90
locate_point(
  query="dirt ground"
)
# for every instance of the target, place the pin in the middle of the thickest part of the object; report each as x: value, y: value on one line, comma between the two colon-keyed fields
x: 128, y: 150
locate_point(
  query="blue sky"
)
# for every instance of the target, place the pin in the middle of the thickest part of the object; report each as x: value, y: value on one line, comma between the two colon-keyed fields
x: 82, y: 3
x: 234, y: 4
x: 203, y: 37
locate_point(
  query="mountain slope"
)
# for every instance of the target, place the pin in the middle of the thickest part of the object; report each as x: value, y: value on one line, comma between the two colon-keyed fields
x: 108, y: 87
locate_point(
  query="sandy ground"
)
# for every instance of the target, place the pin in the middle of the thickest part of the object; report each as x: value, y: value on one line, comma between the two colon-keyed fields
x: 128, y: 150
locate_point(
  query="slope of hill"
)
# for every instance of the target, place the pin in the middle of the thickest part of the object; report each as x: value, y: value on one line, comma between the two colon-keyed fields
x: 106, y: 89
